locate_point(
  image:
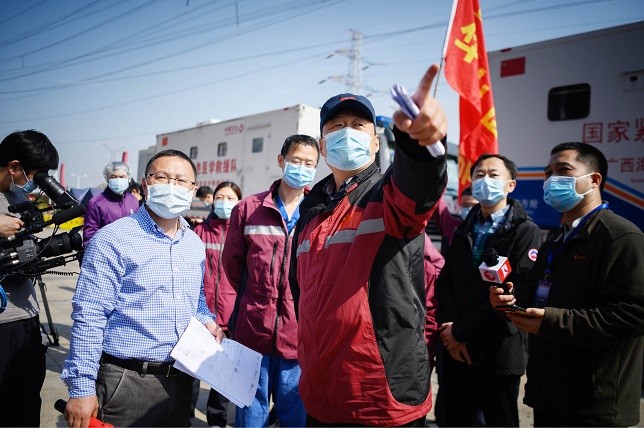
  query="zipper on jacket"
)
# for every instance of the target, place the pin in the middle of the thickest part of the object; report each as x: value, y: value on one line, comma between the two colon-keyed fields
x: 210, y: 266
x: 218, y: 276
x: 280, y: 293
x: 273, y: 258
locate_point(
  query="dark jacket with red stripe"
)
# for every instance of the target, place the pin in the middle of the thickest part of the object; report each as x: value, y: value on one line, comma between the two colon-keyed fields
x: 256, y: 262
x: 359, y: 273
x: 220, y: 295
x: 493, y: 341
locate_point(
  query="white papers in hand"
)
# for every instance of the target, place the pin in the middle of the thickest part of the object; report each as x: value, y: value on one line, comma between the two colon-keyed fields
x: 230, y: 367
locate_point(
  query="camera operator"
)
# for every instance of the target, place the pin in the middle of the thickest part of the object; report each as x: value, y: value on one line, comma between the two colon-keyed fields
x: 22, y: 354
x: 9, y: 225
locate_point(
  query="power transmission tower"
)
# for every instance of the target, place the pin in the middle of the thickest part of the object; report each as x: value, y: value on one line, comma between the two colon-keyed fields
x: 353, y: 79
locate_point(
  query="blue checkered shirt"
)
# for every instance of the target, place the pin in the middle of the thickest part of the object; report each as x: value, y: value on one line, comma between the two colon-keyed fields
x: 137, y: 290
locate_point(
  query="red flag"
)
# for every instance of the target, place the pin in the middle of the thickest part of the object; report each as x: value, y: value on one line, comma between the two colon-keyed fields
x: 468, y: 72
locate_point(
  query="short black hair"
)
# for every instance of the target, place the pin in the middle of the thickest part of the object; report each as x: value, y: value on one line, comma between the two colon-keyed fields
x: 589, y: 155
x: 467, y: 191
x: 232, y: 185
x: 203, y: 191
x: 297, y: 139
x: 171, y: 152
x: 31, y: 148
x: 134, y: 185
x: 511, y: 166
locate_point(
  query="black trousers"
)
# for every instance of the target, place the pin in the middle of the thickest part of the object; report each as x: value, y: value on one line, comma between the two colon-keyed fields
x: 545, y: 419
x: 467, y: 388
x: 217, y: 409
x: 22, y: 372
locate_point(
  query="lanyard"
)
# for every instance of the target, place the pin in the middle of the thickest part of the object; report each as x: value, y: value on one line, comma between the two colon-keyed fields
x: 290, y: 223
x: 543, y: 286
x: 482, y: 232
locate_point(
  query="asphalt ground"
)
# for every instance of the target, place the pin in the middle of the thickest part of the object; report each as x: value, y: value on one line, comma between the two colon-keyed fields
x: 59, y: 290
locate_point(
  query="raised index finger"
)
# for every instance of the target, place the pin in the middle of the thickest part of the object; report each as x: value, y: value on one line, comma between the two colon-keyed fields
x: 425, y: 85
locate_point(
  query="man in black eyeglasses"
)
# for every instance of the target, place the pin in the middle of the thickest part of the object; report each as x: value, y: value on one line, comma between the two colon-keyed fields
x: 141, y: 283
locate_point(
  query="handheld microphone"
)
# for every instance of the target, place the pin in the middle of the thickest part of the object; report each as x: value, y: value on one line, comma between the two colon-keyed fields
x: 494, y: 268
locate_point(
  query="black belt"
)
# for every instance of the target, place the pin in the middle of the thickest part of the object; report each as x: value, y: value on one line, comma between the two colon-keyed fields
x: 142, y: 367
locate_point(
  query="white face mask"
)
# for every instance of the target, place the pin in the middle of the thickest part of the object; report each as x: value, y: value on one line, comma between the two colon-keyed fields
x: 169, y: 200
x: 118, y: 185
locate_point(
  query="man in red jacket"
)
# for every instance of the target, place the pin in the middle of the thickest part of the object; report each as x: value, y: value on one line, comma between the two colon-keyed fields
x: 357, y: 269
x: 256, y: 261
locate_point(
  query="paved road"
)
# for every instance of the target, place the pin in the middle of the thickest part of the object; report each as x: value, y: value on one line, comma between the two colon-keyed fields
x: 59, y: 291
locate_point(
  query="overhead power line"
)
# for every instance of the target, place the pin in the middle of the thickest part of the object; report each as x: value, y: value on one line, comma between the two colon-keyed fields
x: 107, y: 51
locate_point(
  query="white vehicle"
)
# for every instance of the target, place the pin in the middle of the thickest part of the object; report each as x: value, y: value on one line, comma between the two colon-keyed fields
x: 589, y: 88
x: 244, y: 150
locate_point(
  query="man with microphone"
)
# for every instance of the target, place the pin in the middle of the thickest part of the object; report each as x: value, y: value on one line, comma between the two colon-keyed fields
x: 485, y: 352
x: 584, y: 302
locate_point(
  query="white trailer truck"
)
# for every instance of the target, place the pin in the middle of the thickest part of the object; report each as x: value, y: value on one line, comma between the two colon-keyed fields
x: 587, y: 87
x: 243, y: 150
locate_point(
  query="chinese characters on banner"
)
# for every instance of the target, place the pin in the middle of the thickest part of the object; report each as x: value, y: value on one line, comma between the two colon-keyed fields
x: 467, y: 72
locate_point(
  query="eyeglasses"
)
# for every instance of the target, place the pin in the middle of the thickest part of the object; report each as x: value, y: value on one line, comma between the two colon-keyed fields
x: 160, y: 178
x: 299, y: 162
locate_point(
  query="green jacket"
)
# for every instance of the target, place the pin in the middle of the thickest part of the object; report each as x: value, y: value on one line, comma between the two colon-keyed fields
x: 586, y: 362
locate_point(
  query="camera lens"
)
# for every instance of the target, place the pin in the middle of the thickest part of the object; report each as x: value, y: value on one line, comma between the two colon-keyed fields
x: 63, y: 243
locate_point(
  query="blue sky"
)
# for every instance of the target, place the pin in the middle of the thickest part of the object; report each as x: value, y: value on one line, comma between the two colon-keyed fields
x: 100, y: 77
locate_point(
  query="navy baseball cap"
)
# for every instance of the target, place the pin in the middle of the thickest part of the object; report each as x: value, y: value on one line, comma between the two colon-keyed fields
x: 347, y: 102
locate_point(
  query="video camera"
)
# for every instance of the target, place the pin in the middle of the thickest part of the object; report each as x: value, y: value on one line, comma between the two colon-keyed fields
x: 27, y: 255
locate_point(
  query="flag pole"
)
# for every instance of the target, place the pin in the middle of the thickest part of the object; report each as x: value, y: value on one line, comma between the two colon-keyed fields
x: 445, y: 43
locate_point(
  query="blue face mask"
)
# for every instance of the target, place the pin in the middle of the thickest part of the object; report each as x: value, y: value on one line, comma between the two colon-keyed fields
x: 28, y: 187
x: 298, y: 176
x: 559, y: 192
x: 118, y: 185
x: 348, y: 149
x: 168, y: 200
x: 223, y: 207
x: 488, y: 191
x: 465, y: 211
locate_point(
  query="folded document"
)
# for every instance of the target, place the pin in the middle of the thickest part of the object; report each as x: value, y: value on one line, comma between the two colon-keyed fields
x: 230, y: 367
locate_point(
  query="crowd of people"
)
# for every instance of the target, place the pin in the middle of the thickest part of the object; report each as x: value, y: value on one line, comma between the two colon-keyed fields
x: 339, y: 288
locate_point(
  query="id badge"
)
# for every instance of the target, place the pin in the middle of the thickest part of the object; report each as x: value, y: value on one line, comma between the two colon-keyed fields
x: 543, y: 291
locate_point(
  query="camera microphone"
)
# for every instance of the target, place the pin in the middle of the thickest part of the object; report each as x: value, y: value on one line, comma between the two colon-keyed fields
x: 67, y: 215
